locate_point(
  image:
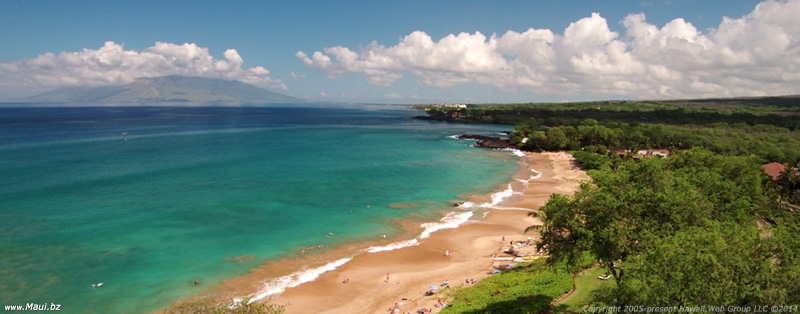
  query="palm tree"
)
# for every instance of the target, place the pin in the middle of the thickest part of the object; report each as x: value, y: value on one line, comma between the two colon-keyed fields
x: 536, y: 213
x: 790, y: 175
x: 792, y: 179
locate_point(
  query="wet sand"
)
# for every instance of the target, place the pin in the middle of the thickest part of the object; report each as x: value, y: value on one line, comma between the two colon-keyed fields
x: 411, y: 270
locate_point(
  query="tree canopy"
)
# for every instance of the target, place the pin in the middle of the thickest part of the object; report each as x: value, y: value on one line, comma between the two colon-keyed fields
x: 682, y: 230
x: 705, y: 226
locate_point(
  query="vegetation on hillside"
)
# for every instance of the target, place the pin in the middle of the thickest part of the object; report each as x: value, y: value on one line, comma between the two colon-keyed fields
x: 768, y: 142
x: 694, y: 229
x: 778, y: 111
x: 213, y: 306
x: 705, y: 226
x: 526, y: 288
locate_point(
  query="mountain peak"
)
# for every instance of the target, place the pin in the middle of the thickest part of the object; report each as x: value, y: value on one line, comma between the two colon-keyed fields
x: 173, y: 88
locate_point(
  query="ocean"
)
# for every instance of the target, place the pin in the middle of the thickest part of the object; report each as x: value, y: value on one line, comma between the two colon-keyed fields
x: 147, y: 200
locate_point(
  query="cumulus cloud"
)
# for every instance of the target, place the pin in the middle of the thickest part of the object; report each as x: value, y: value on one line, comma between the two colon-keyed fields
x: 757, y: 54
x: 111, y: 64
x: 297, y: 76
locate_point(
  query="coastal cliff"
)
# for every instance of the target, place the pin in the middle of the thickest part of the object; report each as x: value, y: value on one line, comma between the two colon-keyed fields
x: 488, y: 141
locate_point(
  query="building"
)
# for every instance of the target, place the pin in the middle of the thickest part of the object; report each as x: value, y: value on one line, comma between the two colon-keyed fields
x: 774, y: 170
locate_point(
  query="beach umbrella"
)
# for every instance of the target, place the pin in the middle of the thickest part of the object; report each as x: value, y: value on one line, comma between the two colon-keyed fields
x: 434, y: 287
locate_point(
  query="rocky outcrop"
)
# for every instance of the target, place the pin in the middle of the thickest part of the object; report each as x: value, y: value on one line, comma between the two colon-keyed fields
x: 488, y: 141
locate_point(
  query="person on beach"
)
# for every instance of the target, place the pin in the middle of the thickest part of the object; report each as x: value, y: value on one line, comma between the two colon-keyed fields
x: 387, y: 277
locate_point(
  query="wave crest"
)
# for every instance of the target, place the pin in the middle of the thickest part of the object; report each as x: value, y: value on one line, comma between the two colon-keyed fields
x: 278, y: 285
x: 449, y: 221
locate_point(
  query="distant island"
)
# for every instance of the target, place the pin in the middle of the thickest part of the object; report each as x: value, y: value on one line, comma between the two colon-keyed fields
x: 165, y: 89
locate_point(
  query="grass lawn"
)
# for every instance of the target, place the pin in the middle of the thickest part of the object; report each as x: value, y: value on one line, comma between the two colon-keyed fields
x: 526, y: 288
x: 585, y: 282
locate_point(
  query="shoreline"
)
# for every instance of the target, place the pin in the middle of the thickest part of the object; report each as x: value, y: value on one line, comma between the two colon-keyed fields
x: 412, y: 265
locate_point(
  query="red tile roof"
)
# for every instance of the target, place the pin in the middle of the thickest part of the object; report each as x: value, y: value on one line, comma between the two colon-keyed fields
x: 774, y: 169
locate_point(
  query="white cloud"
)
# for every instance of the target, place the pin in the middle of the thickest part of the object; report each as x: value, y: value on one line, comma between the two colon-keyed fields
x: 111, y: 64
x: 757, y: 54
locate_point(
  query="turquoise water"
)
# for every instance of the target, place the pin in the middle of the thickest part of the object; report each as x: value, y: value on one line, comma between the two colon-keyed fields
x: 148, y: 199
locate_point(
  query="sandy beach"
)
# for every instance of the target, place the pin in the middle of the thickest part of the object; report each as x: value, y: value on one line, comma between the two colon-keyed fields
x: 382, y: 280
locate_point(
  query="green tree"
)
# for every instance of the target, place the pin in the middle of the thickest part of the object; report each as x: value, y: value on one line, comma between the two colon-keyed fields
x: 676, y: 231
x: 720, y: 263
x: 210, y: 306
x: 556, y: 139
x: 790, y: 175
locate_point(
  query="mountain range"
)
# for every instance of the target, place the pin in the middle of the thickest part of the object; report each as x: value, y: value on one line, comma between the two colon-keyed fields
x: 166, y: 89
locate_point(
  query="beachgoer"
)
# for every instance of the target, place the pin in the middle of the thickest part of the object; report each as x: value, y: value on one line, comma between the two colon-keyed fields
x: 387, y: 277
x: 196, y: 282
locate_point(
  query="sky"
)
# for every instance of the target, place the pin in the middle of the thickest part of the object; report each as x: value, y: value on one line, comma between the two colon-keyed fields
x: 412, y: 51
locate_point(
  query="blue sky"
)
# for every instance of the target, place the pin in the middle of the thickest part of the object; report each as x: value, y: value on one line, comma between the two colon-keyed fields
x: 423, y: 51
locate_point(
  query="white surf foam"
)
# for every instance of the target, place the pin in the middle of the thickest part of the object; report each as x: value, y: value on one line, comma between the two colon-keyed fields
x: 516, y: 152
x: 498, y: 197
x: 449, y: 221
x: 278, y: 285
x: 392, y: 246
x: 536, y: 175
x: 466, y: 205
